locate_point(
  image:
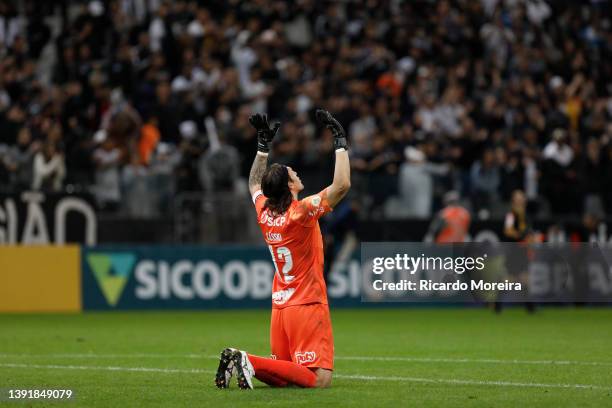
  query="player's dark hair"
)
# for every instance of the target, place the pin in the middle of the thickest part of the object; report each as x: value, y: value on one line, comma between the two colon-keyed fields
x: 275, y: 186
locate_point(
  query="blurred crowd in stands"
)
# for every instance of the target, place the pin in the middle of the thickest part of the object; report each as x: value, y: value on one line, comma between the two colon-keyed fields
x: 136, y: 101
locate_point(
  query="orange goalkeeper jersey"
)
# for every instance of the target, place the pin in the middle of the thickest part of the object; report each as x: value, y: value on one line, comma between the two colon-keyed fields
x: 296, y: 245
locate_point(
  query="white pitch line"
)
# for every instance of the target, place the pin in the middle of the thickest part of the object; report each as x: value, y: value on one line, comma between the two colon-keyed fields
x: 107, y: 368
x: 473, y: 382
x: 95, y: 355
x: 474, y: 360
x: 349, y: 358
x: 340, y: 376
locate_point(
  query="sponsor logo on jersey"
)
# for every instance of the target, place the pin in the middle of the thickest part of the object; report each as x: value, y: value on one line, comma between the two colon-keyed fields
x: 282, y: 296
x: 305, y: 357
x: 314, y: 212
x: 271, y: 221
x: 274, y: 236
x: 316, y: 200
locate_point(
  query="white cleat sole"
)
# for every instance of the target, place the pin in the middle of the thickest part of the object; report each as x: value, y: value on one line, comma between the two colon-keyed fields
x: 225, y: 369
x: 243, y: 369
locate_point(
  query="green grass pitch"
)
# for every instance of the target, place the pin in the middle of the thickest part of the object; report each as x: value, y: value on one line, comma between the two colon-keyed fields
x: 391, y: 357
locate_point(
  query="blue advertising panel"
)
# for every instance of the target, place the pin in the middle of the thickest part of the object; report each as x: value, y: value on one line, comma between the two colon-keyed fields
x: 191, y: 277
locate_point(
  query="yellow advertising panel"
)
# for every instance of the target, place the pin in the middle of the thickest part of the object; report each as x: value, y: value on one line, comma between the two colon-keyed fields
x: 40, y: 279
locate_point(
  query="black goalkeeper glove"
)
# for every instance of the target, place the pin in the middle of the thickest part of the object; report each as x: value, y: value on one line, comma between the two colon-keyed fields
x: 265, y: 133
x: 325, y: 118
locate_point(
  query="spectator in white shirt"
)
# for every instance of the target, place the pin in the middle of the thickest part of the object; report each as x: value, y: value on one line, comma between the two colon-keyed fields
x: 558, y: 149
x: 49, y: 169
x: 107, y: 189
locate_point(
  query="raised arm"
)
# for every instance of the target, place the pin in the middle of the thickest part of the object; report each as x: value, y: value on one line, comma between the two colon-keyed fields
x: 265, y: 134
x: 342, y: 170
x: 257, y: 170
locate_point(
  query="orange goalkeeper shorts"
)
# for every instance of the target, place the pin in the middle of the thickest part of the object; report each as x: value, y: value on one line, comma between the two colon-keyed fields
x: 303, y: 334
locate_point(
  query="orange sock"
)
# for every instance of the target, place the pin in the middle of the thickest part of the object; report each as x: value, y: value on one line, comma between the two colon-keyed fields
x: 269, y: 379
x: 281, y: 370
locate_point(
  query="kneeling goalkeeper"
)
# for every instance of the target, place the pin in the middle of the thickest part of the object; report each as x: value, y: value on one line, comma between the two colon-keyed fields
x: 301, y: 336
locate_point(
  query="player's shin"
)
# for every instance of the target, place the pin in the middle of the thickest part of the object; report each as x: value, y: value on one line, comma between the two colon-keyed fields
x: 287, y: 371
x: 270, y: 379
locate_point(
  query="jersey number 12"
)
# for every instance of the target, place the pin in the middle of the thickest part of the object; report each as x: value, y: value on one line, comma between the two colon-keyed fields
x: 282, y: 254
